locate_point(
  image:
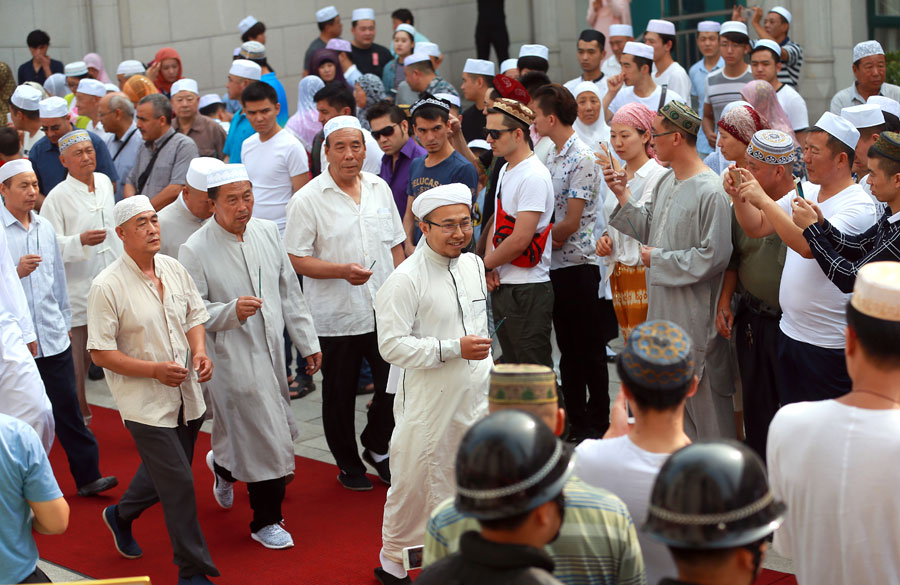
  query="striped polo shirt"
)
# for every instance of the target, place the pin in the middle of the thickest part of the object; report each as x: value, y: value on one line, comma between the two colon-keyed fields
x: 721, y: 90
x: 790, y: 69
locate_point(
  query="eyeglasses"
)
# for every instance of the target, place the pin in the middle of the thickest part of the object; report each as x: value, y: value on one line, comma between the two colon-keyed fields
x: 494, y: 133
x: 386, y: 131
x: 450, y: 228
x: 655, y: 136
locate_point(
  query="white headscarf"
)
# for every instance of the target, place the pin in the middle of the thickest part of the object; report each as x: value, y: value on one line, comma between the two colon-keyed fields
x: 591, y: 134
x: 304, y: 124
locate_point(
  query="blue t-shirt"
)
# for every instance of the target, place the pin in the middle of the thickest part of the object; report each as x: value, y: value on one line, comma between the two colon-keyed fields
x: 50, y: 172
x: 283, y: 114
x: 698, y: 74
x: 453, y: 169
x: 25, y: 476
x: 239, y: 131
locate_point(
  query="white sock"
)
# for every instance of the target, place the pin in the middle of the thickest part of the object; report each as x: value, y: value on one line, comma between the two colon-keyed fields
x: 395, y: 569
x: 377, y: 457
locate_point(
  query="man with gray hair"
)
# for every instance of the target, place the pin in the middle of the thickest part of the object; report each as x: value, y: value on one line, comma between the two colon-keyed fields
x: 162, y: 162
x: 122, y: 137
x: 869, y: 71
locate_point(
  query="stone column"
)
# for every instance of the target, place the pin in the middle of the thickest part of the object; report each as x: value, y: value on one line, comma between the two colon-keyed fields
x: 106, y: 36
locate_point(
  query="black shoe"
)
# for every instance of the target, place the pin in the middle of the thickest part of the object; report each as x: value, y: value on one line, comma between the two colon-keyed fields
x: 98, y: 485
x: 357, y: 483
x: 383, y: 467
x: 386, y: 578
x: 302, y: 388
x: 95, y: 372
x: 125, y: 543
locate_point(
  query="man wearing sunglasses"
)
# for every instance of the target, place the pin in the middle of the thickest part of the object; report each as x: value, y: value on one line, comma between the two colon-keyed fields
x: 390, y: 129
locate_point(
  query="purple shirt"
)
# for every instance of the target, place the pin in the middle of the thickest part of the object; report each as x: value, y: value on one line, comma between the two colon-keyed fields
x: 398, y: 177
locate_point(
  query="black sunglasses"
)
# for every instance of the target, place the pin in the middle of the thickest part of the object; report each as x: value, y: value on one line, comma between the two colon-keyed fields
x: 386, y: 131
x: 495, y: 133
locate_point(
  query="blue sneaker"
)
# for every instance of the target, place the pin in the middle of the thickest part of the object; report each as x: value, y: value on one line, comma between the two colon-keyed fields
x: 122, y: 538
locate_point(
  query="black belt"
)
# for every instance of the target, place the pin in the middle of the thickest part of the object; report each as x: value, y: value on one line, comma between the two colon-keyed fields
x: 760, y: 307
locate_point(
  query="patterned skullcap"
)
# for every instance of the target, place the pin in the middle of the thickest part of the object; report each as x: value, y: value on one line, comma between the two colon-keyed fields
x: 509, y: 88
x: 682, y: 116
x: 888, y: 145
x: 430, y: 100
x: 515, y: 109
x: 772, y: 147
x: 658, y: 356
x: 742, y: 123
x: 513, y: 384
x: 877, y: 290
x: 72, y: 138
x: 867, y: 49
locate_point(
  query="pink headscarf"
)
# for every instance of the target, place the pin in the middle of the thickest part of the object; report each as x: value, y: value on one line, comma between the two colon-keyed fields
x: 639, y: 117
x: 94, y: 60
x: 742, y: 122
x: 761, y: 95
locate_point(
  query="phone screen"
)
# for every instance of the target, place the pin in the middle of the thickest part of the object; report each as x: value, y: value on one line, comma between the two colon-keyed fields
x: 412, y: 557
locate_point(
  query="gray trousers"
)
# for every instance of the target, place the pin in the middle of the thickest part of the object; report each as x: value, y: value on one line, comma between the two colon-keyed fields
x: 165, y: 476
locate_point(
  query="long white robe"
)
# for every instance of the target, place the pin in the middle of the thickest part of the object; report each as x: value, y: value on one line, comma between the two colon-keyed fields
x: 422, y: 310
x: 176, y: 225
x: 253, y: 426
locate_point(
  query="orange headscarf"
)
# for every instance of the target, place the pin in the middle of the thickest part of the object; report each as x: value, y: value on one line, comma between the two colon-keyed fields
x: 166, y: 53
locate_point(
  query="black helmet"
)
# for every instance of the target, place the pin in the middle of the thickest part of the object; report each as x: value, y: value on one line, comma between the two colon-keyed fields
x: 509, y: 463
x: 712, y: 495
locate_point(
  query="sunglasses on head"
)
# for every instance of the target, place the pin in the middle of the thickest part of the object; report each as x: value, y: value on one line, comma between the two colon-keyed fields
x: 386, y: 131
x: 494, y: 133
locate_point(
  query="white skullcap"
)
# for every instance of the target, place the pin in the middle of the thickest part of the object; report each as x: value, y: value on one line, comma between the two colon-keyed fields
x: 408, y: 28
x: 479, y: 67
x: 587, y: 86
x: 26, y: 98
x: 479, y: 143
x: 246, y: 24
x: 76, y: 69
x: 839, y: 128
x: 731, y: 105
x: 621, y: 30
x: 326, y: 14
x: 453, y: 99
x: 55, y: 85
x: 225, y: 174
x: 91, y: 87
x: 131, y: 206
x: 111, y: 87
x: 707, y: 26
x: 199, y: 169
x: 339, y: 45
x: 450, y: 194
x: 208, y: 100
x: 661, y: 27
x: 535, y: 51
x: 867, y: 49
x: 784, y: 12
x: 246, y: 69
x: 130, y: 67
x: 863, y: 116
x: 885, y: 103
x: 341, y: 122
x: 185, y: 84
x: 416, y: 57
x: 735, y: 26
x: 54, y: 107
x: 362, y: 14
x: 768, y: 44
x: 638, y: 50
x: 509, y: 64
x: 428, y: 48
x: 876, y: 292
x: 15, y: 167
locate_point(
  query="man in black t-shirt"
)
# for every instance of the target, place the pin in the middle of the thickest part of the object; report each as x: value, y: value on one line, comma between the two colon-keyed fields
x: 477, y: 78
x: 369, y: 56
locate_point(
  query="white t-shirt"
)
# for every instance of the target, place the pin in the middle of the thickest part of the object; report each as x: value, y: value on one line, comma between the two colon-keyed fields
x: 620, y: 466
x: 29, y: 141
x: 626, y: 95
x: 611, y: 66
x: 835, y: 466
x: 527, y: 187
x: 794, y: 106
x: 676, y: 78
x: 813, y: 307
x: 601, y: 84
x: 270, y: 165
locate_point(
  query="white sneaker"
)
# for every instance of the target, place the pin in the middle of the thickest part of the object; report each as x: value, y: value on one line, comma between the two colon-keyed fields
x: 223, y: 491
x: 273, y: 536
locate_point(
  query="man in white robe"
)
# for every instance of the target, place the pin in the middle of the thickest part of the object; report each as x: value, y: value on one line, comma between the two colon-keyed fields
x: 244, y: 276
x: 431, y: 321
x: 190, y: 210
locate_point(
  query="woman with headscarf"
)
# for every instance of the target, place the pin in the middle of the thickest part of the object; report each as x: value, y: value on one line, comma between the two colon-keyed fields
x: 95, y: 67
x: 591, y: 125
x: 327, y: 66
x: 761, y: 95
x: 7, y: 87
x: 404, y: 45
x: 736, y: 127
x: 629, y: 136
x: 165, y: 69
x: 367, y: 92
x: 304, y: 124
x: 55, y: 85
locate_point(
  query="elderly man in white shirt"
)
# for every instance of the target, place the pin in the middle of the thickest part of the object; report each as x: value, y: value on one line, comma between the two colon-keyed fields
x: 189, y: 212
x: 344, y: 235
x: 80, y: 209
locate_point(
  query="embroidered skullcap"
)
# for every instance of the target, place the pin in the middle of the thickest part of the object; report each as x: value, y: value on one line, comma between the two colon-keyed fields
x: 769, y: 44
x: 225, y: 174
x: 866, y: 49
x: 638, y: 50
x: 839, y: 128
x: 876, y: 292
x: 199, y: 169
x: 341, y: 122
x: 515, y: 109
x: 137, y: 86
x: 772, y: 147
x: 326, y: 14
x: 430, y: 100
x: 15, y: 167
x: 887, y: 145
x: 682, y: 116
x: 658, y: 356
x: 509, y: 64
x: 449, y: 97
x: 339, y: 45
x: 735, y: 26
x: 209, y: 99
x: 407, y: 28
x: 185, y: 84
x: 479, y: 67
x: 362, y: 14
x: 522, y: 384
x: 509, y: 88
x: 708, y: 26
x: 416, y: 57
x: 131, y: 206
x: 72, y: 138
x: 53, y: 107
x: 886, y: 104
x: 76, y: 69
x: 246, y: 69
x: 428, y: 48
x: 637, y: 116
x: 26, y: 98
x: 91, y: 87
x: 661, y: 27
x: 621, y: 30
x: 535, y: 51
x: 741, y: 122
x: 784, y: 12
x: 253, y: 50
x: 246, y: 24
x: 479, y: 143
x: 130, y: 67
x: 449, y: 194
x: 863, y: 115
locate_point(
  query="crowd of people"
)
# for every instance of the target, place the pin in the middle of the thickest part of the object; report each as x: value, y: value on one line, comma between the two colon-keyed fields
x: 410, y: 234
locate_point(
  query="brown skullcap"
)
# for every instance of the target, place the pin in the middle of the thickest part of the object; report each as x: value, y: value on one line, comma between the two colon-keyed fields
x: 138, y: 86
x: 522, y: 384
x: 515, y: 109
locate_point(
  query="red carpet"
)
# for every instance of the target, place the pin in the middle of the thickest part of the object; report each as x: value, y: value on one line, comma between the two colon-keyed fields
x: 337, y: 533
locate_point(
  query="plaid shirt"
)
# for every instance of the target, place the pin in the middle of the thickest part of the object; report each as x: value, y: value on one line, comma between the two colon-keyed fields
x: 841, y: 256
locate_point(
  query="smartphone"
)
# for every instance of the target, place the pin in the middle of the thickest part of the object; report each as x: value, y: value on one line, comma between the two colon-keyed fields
x: 736, y: 177
x: 630, y: 415
x: 616, y: 166
x: 412, y: 557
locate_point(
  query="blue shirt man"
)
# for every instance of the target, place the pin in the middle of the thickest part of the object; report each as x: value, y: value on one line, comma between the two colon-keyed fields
x: 396, y: 174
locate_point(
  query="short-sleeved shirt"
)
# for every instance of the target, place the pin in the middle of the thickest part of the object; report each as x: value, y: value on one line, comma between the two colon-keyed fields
x: 758, y: 261
x: 453, y: 169
x: 171, y: 165
x: 794, y: 106
x: 675, y: 77
x: 207, y: 135
x: 850, y: 96
x: 125, y: 314
x: 44, y: 157
x: 25, y: 476
x: 27, y: 72
x: 124, y: 152
x: 316, y: 44
x: 371, y: 60
x: 397, y: 174
x: 239, y: 131
x: 790, y: 69
x: 721, y: 90
x: 440, y: 85
x: 270, y: 165
x: 626, y: 95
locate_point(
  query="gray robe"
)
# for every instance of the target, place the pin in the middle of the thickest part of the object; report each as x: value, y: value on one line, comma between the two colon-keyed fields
x: 689, y: 224
x: 253, y: 426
